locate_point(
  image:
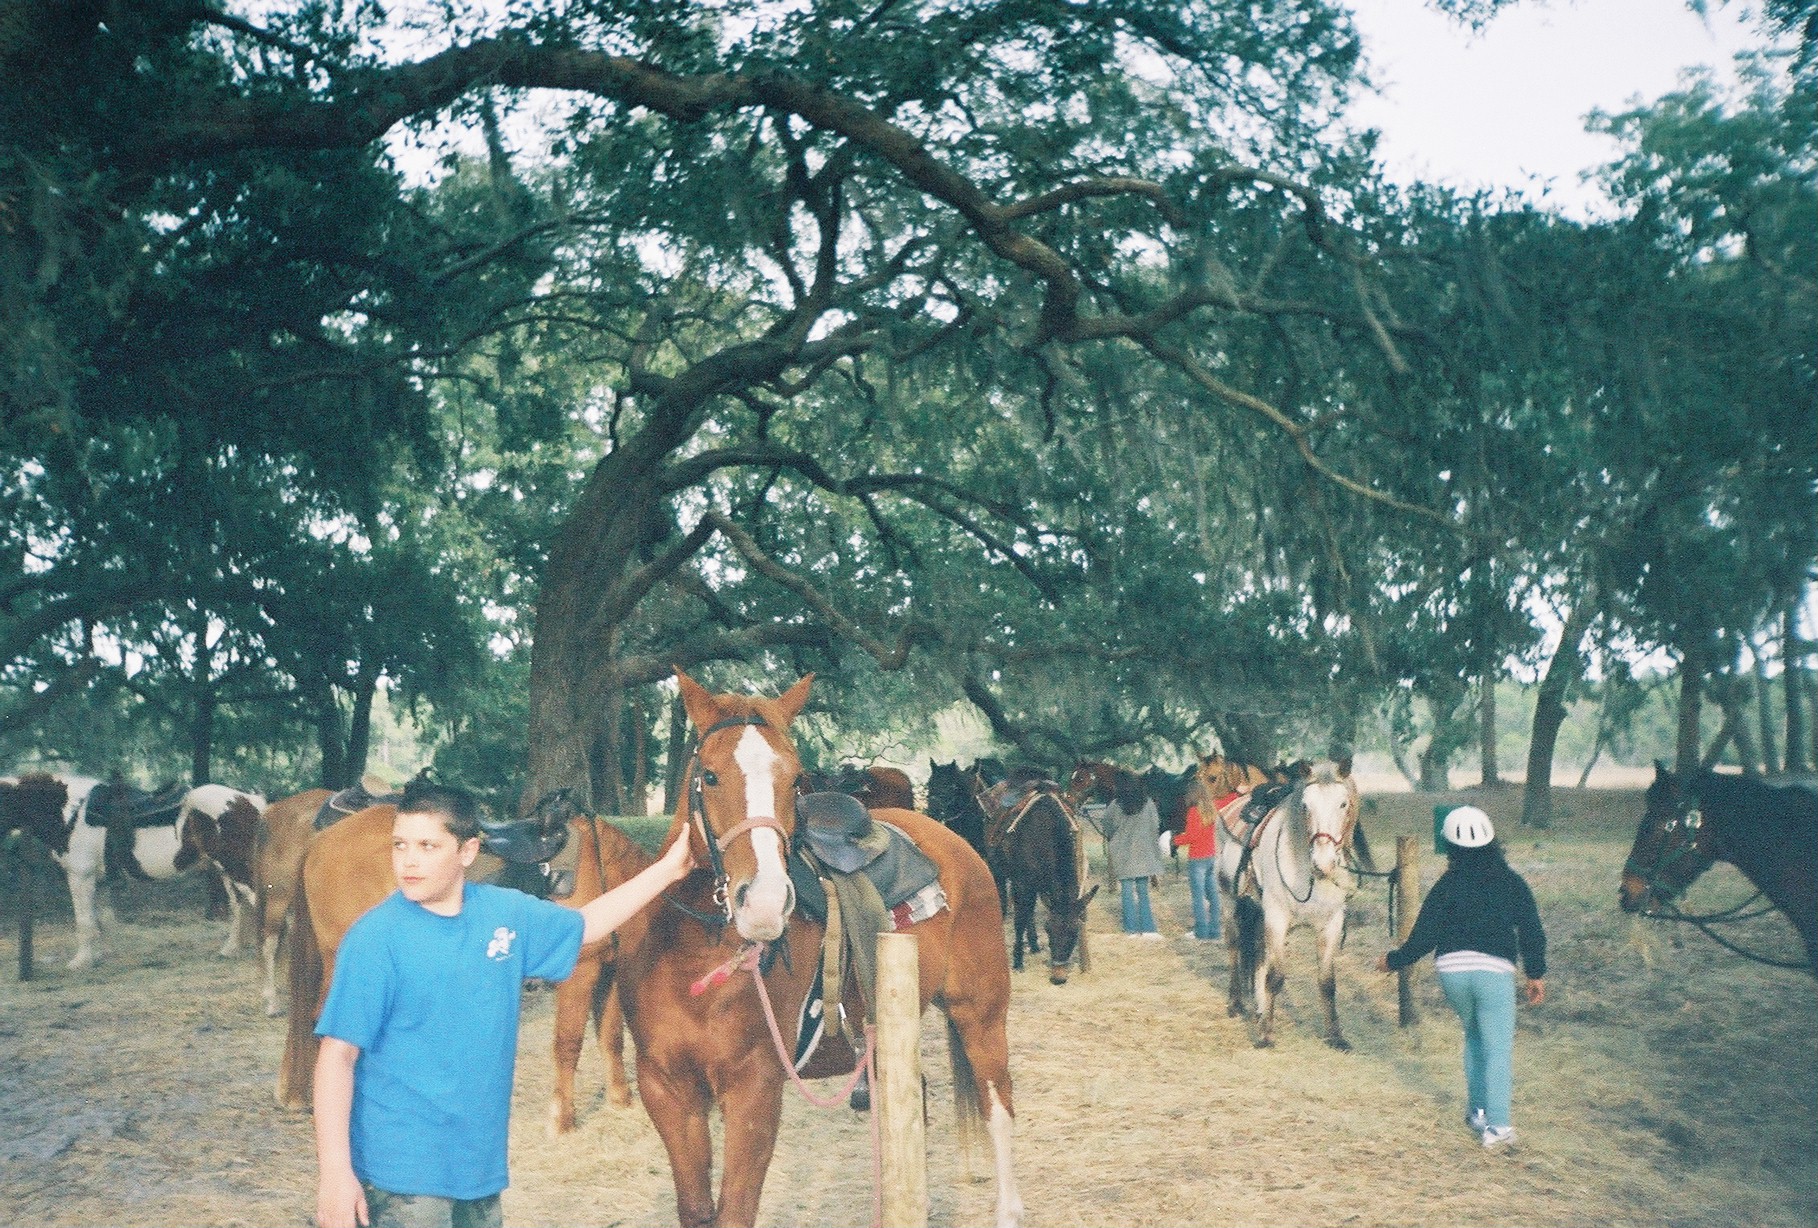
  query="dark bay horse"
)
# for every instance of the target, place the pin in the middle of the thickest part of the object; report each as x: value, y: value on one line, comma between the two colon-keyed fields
x: 692, y: 987
x: 953, y: 801
x: 1692, y: 822
x: 1172, y: 792
x: 1044, y: 858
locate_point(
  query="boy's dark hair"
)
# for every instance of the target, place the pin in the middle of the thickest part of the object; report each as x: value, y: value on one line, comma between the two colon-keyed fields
x: 458, y: 809
x: 1128, y: 788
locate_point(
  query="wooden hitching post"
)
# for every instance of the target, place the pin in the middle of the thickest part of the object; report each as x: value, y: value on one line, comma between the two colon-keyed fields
x: 899, y: 1082
x: 1407, y: 891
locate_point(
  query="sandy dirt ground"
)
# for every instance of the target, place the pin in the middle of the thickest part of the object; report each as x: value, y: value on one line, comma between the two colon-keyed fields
x: 1665, y: 1082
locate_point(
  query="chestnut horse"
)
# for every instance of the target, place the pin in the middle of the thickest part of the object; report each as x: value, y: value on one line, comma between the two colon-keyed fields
x: 693, y: 998
x: 285, y: 831
x: 608, y: 857
x: 346, y: 870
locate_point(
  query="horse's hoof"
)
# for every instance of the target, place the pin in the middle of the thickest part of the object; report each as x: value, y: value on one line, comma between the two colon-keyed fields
x: 1265, y: 1042
x: 1339, y: 1043
x: 1234, y: 1011
x: 860, y: 1099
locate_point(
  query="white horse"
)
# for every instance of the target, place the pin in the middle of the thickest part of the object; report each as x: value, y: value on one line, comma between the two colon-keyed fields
x: 1290, y: 869
x: 218, y: 826
x: 64, y: 814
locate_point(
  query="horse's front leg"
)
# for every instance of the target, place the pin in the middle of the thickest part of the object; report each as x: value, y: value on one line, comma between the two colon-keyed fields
x: 609, y: 1023
x: 751, y: 1109
x: 88, y: 929
x: 678, y: 1109
x: 1024, y: 924
x: 1331, y: 938
x: 236, y: 917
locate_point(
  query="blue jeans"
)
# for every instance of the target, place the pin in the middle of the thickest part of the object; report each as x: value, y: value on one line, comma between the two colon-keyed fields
x: 1485, y: 1002
x: 1139, y: 918
x: 1202, y: 881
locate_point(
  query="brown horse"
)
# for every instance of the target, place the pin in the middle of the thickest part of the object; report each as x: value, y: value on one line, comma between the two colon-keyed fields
x: 608, y: 857
x: 285, y: 830
x: 698, y: 1019
x: 346, y: 870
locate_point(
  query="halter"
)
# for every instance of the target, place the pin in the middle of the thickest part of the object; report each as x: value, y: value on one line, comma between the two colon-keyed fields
x: 1692, y: 820
x: 697, y: 810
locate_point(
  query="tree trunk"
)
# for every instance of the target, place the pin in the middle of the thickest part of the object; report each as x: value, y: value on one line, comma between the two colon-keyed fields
x: 1793, y: 654
x: 328, y: 736
x: 1490, y: 769
x: 1686, y: 757
x: 640, y: 756
x: 202, y: 737
x: 1550, y: 714
x: 359, y: 727
x: 675, y: 754
x: 1738, y: 691
x: 1764, y: 713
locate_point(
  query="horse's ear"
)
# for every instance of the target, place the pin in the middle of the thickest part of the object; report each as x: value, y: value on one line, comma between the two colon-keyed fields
x: 1661, y: 770
x: 1087, y: 898
x: 697, y: 700
x: 792, y: 701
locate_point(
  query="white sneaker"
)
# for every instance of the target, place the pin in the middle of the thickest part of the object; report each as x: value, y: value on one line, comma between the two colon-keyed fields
x: 1477, y: 1121
x: 1498, y: 1138
x: 1149, y: 934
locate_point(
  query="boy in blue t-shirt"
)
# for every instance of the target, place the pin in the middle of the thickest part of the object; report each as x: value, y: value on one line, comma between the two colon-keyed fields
x: 420, y: 1029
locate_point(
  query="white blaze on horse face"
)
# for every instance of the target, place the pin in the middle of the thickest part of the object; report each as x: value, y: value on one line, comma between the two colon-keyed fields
x: 1328, y: 806
x: 763, y: 907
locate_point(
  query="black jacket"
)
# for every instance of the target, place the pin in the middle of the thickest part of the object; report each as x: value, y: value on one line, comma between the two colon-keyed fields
x: 1485, y: 907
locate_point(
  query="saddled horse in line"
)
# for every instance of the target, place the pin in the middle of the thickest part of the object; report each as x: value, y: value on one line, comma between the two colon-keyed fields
x: 607, y: 857
x: 94, y: 829
x: 1044, y: 859
x: 1284, y: 869
x: 730, y: 948
x: 953, y: 802
x: 285, y: 831
x: 346, y: 870
x: 218, y: 826
x: 1693, y: 821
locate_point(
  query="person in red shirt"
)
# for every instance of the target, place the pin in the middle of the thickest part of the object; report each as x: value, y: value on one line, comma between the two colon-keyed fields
x: 1200, y: 839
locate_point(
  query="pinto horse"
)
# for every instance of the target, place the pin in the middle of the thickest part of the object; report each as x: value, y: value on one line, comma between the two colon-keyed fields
x: 729, y: 952
x: 1284, y: 870
x: 93, y: 829
x: 1691, y: 823
x: 218, y: 826
x: 1044, y: 858
x: 346, y: 870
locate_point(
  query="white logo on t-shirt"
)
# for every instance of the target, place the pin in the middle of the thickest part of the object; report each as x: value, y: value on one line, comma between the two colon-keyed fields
x: 500, y: 946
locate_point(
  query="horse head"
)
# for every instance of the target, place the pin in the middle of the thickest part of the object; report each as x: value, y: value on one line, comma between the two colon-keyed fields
x: 1330, y: 802
x: 1672, y: 847
x: 38, y: 804
x: 739, y: 801
x: 1064, y: 925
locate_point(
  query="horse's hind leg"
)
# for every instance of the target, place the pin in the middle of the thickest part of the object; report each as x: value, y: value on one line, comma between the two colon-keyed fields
x: 609, y: 1023
x: 574, y: 1003
x: 1271, y: 975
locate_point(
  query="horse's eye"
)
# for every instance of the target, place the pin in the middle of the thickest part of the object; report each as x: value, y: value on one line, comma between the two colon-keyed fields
x: 710, y: 777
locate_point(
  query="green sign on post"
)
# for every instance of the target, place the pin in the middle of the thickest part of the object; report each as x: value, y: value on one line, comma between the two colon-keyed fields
x: 1439, y: 827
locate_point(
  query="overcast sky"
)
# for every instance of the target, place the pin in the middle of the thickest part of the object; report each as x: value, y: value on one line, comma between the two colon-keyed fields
x: 1506, y: 107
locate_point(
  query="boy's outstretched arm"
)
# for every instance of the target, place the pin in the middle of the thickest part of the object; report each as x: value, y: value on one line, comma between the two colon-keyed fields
x: 606, y: 913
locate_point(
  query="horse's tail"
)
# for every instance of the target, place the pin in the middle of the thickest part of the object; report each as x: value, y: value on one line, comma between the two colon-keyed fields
x: 968, y: 1113
x: 1360, y: 845
x: 297, y: 1072
x: 1249, y: 936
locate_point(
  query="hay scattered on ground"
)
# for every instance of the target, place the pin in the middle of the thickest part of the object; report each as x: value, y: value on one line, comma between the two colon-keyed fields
x: 1665, y: 1082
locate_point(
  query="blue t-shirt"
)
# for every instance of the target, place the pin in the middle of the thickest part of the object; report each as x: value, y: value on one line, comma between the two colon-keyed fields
x: 432, y: 1004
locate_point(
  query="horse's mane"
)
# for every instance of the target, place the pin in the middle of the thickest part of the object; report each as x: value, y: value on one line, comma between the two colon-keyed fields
x: 1757, y: 807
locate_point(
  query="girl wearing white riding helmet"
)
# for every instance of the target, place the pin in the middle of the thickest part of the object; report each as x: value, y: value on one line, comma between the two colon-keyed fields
x: 1479, y: 918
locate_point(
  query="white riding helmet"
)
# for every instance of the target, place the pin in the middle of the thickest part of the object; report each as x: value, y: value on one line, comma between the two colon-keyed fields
x: 1468, y: 828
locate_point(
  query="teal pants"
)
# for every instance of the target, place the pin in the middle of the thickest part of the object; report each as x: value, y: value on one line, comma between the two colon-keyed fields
x: 1485, y: 1002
